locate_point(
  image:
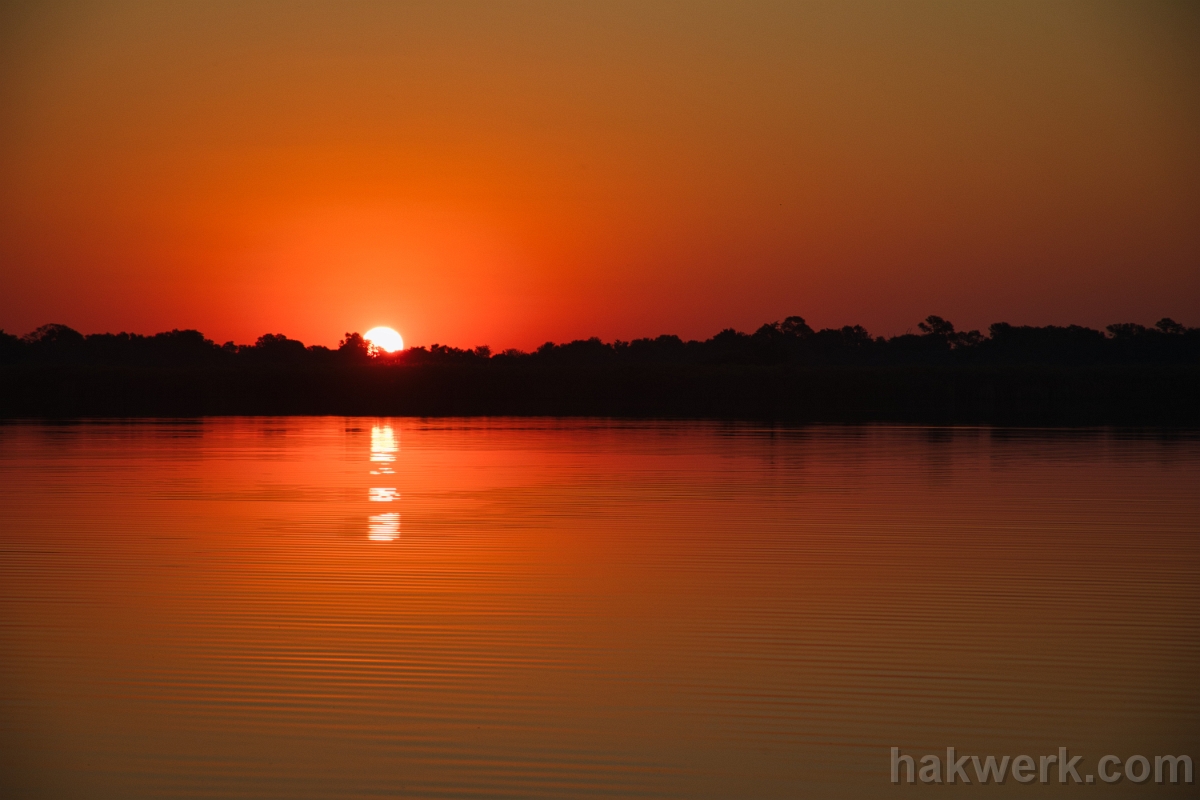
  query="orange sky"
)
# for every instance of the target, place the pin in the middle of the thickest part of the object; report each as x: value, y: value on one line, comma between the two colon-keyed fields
x: 508, y: 173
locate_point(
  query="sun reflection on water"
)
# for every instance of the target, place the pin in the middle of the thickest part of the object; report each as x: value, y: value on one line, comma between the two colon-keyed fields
x: 383, y: 527
x: 384, y: 446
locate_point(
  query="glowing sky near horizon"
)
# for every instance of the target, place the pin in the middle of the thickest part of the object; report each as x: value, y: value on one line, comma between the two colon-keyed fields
x: 508, y: 173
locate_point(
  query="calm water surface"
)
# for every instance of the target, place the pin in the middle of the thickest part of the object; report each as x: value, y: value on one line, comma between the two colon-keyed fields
x: 357, y: 608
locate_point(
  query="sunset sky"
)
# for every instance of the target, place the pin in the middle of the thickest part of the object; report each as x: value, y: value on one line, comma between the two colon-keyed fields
x: 508, y: 173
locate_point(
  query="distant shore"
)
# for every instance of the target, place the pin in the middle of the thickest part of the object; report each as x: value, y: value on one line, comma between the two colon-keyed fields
x: 786, y: 371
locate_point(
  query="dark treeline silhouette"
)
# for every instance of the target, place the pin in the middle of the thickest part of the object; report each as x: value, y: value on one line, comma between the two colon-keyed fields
x: 791, y: 341
x: 1126, y: 374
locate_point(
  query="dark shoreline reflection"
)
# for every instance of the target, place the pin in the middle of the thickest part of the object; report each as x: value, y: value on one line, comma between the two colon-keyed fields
x: 585, y: 608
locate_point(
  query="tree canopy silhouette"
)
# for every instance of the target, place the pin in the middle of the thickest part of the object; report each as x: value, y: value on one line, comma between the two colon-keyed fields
x: 788, y: 341
x: 1127, y: 373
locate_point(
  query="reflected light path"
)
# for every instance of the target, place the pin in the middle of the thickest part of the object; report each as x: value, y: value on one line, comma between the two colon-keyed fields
x: 383, y: 527
x: 383, y: 449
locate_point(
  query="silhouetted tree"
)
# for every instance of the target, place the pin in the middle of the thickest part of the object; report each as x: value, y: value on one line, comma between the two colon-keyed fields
x: 936, y: 326
x: 353, y: 347
x: 795, y: 327
x: 1170, y: 327
x: 275, y: 347
x: 55, y: 342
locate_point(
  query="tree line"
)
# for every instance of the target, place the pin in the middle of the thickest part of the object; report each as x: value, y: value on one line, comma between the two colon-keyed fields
x: 789, y: 341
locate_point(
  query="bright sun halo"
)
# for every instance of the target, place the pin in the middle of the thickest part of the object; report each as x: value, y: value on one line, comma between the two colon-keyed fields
x: 385, y: 339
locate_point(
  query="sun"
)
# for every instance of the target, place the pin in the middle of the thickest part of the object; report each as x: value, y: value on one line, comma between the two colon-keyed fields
x: 385, y: 339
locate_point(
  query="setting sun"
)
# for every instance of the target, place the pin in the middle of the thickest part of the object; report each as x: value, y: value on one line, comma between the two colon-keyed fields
x: 385, y: 339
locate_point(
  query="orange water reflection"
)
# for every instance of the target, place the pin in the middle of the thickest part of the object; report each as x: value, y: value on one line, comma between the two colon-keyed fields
x: 634, y: 610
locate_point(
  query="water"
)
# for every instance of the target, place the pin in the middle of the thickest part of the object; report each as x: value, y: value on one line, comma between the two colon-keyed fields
x: 360, y: 608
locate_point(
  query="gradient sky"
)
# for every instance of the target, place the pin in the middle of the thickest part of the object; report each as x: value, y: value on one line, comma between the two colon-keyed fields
x: 508, y: 173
